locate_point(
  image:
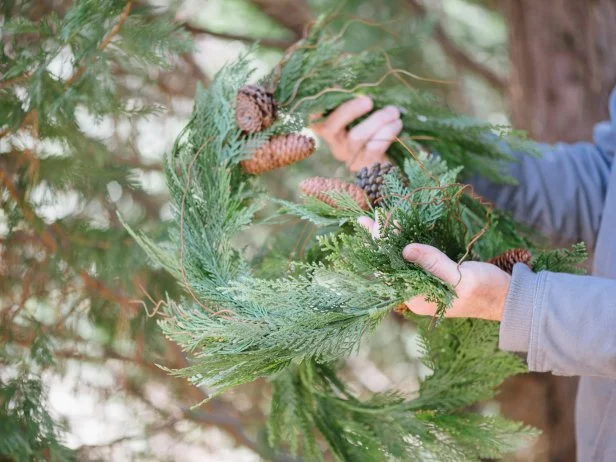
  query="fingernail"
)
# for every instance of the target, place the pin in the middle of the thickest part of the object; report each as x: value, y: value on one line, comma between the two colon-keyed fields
x: 409, y: 253
x: 366, y: 102
x: 393, y: 110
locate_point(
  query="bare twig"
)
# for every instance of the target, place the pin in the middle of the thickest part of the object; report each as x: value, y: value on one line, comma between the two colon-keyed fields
x: 149, y: 432
x: 189, y: 59
x: 107, y: 293
x: 267, y: 42
x: 45, y: 236
x: 105, y: 42
x: 394, y: 72
x: 135, y: 162
x: 15, y: 80
x: 222, y: 419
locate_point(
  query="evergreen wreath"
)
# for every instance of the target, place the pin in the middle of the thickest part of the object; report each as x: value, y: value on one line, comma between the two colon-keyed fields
x: 295, y: 329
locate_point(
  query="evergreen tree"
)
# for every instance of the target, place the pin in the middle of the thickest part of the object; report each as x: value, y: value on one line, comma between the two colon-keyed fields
x: 69, y: 272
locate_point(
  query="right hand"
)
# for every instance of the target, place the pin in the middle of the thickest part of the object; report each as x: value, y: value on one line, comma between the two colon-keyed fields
x: 368, y: 141
x: 481, y: 288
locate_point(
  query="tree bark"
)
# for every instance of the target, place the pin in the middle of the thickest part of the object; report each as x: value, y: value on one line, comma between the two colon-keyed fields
x: 563, y: 65
x: 563, y: 68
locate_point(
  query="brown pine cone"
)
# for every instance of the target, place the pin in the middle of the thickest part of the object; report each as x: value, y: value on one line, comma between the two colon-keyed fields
x: 278, y: 151
x: 401, y: 308
x: 370, y: 179
x: 319, y: 187
x: 255, y: 109
x: 508, y: 259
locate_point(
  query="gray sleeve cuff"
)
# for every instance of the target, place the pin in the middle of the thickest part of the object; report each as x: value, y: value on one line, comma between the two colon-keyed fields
x: 515, y: 328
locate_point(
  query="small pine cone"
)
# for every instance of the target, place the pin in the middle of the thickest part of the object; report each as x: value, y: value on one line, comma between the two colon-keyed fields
x: 371, y: 181
x: 278, y: 151
x: 255, y: 109
x: 508, y: 259
x: 401, y: 308
x: 319, y: 187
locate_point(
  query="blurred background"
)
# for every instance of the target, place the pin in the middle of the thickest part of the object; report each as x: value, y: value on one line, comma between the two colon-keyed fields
x: 79, y: 351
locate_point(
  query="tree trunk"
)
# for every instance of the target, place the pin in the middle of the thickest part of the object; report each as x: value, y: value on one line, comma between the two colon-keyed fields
x: 563, y: 65
x: 563, y: 68
x: 293, y: 14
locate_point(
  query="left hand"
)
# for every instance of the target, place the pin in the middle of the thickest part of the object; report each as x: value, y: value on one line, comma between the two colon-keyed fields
x: 481, y: 288
x: 368, y: 141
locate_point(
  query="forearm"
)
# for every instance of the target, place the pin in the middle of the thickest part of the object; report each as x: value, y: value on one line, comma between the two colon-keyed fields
x: 566, y: 323
x: 560, y: 194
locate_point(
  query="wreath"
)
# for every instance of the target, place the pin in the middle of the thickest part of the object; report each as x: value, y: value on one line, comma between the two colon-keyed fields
x: 297, y: 328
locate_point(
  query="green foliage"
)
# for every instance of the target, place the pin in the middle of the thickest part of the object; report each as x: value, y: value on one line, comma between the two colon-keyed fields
x: 466, y: 366
x: 562, y: 260
x: 87, y: 51
x: 318, y: 76
x: 66, y: 67
x: 310, y: 396
x: 295, y: 328
x: 27, y: 431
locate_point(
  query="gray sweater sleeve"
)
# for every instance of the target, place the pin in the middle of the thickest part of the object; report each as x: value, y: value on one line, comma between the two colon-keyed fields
x: 561, y: 193
x: 566, y: 323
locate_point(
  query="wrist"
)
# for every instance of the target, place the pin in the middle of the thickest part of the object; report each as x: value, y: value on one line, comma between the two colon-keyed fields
x: 496, y: 303
x: 504, y: 290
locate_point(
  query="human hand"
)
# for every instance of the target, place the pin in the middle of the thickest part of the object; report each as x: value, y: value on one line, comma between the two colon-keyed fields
x: 367, y: 142
x: 481, y: 288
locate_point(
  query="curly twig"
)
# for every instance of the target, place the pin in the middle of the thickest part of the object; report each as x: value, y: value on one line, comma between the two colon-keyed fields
x: 106, y: 41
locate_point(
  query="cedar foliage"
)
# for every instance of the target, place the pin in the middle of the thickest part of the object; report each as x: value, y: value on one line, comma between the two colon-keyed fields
x: 63, y: 68
x: 296, y: 328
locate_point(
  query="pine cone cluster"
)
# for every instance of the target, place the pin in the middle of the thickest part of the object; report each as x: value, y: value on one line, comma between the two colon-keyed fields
x: 508, y: 259
x: 278, y: 151
x: 371, y: 181
x: 319, y: 188
x: 255, y: 109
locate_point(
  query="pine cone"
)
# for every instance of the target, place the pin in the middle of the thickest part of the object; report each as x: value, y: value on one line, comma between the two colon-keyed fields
x: 278, y: 151
x: 319, y: 187
x: 508, y: 259
x: 401, y: 308
x: 371, y: 181
x: 255, y: 109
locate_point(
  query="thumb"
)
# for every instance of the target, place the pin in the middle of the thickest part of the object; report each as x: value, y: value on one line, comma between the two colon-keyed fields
x: 433, y: 261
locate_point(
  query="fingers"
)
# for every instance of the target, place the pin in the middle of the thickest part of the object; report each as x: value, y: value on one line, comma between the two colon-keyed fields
x: 384, y: 124
x: 374, y: 226
x: 433, y: 261
x: 345, y: 114
x: 371, y: 226
x: 366, y: 222
x: 381, y: 141
x: 366, y: 143
x: 366, y: 130
x: 419, y: 305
